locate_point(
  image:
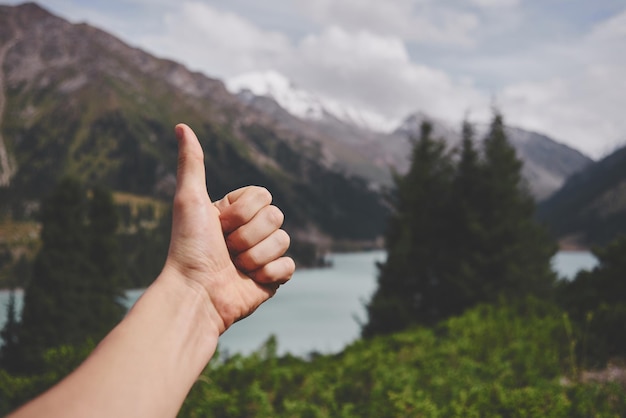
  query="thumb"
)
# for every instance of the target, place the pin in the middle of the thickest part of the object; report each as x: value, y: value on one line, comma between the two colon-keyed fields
x: 190, y: 177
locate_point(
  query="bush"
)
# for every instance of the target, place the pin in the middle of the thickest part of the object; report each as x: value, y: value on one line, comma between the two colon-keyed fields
x: 491, y: 361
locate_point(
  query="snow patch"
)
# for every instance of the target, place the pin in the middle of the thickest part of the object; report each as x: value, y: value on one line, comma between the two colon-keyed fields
x: 304, y: 104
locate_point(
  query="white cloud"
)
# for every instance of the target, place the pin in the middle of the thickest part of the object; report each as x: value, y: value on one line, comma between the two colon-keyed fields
x: 361, y: 45
x: 219, y: 42
x: 495, y: 3
x: 355, y: 51
x: 376, y: 73
x: 610, y: 30
x: 583, y: 106
x: 358, y: 67
x: 422, y: 21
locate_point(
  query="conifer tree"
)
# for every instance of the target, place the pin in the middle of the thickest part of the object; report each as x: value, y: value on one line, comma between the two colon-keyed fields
x: 53, y: 313
x: 70, y: 298
x: 517, y: 251
x: 464, y: 279
x: 410, y: 285
x: 463, y: 232
x: 106, y: 284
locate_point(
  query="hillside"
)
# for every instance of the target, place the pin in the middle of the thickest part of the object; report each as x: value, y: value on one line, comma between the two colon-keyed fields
x: 547, y: 163
x: 590, y: 209
x: 357, y: 142
x: 346, y: 147
x: 77, y: 101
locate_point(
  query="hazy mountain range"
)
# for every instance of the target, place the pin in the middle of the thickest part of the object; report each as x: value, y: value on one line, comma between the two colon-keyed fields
x: 76, y: 100
x: 591, y: 207
x: 361, y: 143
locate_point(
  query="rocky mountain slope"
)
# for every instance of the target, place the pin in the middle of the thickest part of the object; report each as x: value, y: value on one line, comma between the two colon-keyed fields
x: 359, y: 143
x: 591, y: 207
x: 77, y: 101
x: 547, y: 163
x: 348, y: 148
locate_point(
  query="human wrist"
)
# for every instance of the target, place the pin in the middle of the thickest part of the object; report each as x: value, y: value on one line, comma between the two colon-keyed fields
x: 192, y: 301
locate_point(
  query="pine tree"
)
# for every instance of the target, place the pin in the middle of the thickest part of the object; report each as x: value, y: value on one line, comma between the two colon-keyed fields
x: 517, y: 250
x: 53, y: 312
x: 410, y: 285
x: 73, y: 293
x: 466, y: 244
x: 106, y: 285
x: 463, y: 232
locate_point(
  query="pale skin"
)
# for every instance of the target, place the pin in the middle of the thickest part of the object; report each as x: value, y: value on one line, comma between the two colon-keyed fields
x: 225, y: 259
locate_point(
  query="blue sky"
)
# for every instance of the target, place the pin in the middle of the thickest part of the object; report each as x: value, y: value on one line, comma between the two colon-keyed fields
x: 554, y: 66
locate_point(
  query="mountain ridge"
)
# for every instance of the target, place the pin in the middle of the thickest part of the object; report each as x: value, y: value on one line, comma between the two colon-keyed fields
x: 81, y: 102
x: 372, y: 153
x: 304, y: 104
x: 590, y: 208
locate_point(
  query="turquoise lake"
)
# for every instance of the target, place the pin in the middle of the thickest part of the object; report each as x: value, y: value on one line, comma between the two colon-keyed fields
x: 319, y: 309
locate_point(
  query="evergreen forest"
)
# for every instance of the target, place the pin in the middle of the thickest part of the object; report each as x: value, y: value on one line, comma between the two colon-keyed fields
x: 468, y: 319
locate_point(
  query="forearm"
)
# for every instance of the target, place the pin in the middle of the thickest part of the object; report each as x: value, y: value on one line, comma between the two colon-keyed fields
x: 146, y: 366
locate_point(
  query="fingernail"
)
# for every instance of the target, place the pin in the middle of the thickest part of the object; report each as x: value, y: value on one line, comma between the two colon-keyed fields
x: 179, y: 132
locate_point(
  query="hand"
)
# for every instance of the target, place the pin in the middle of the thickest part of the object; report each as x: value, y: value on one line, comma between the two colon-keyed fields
x: 244, y: 219
x: 251, y: 228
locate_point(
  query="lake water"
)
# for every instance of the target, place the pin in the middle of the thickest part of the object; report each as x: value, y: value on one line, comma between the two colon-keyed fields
x: 318, y: 309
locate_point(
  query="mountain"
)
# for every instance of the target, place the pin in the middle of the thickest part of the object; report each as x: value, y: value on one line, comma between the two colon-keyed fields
x: 351, y: 140
x: 590, y: 209
x: 304, y: 104
x: 547, y: 163
x: 367, y: 145
x: 78, y: 101
x: 347, y: 148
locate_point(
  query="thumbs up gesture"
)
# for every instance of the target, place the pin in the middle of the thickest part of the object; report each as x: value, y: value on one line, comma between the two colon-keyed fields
x: 225, y: 259
x: 230, y: 251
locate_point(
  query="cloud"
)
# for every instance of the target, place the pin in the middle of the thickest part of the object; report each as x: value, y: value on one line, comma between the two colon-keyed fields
x: 583, y: 106
x: 359, y: 67
x: 219, y: 42
x: 550, y: 71
x: 495, y: 3
x: 422, y: 21
x: 376, y: 73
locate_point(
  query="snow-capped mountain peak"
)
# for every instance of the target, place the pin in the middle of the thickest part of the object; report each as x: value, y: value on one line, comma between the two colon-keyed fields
x: 304, y: 104
x: 272, y: 84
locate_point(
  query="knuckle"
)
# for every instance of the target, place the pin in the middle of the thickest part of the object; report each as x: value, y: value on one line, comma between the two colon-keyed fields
x: 290, y: 265
x: 261, y: 275
x: 263, y: 194
x: 186, y: 198
x: 280, y: 271
x: 179, y: 201
x: 233, y: 218
x: 186, y: 159
x: 275, y: 216
x: 282, y: 239
x: 289, y: 268
x: 247, y: 260
x: 232, y: 242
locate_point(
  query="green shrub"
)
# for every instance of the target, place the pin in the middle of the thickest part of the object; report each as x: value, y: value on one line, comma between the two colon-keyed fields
x: 493, y: 361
